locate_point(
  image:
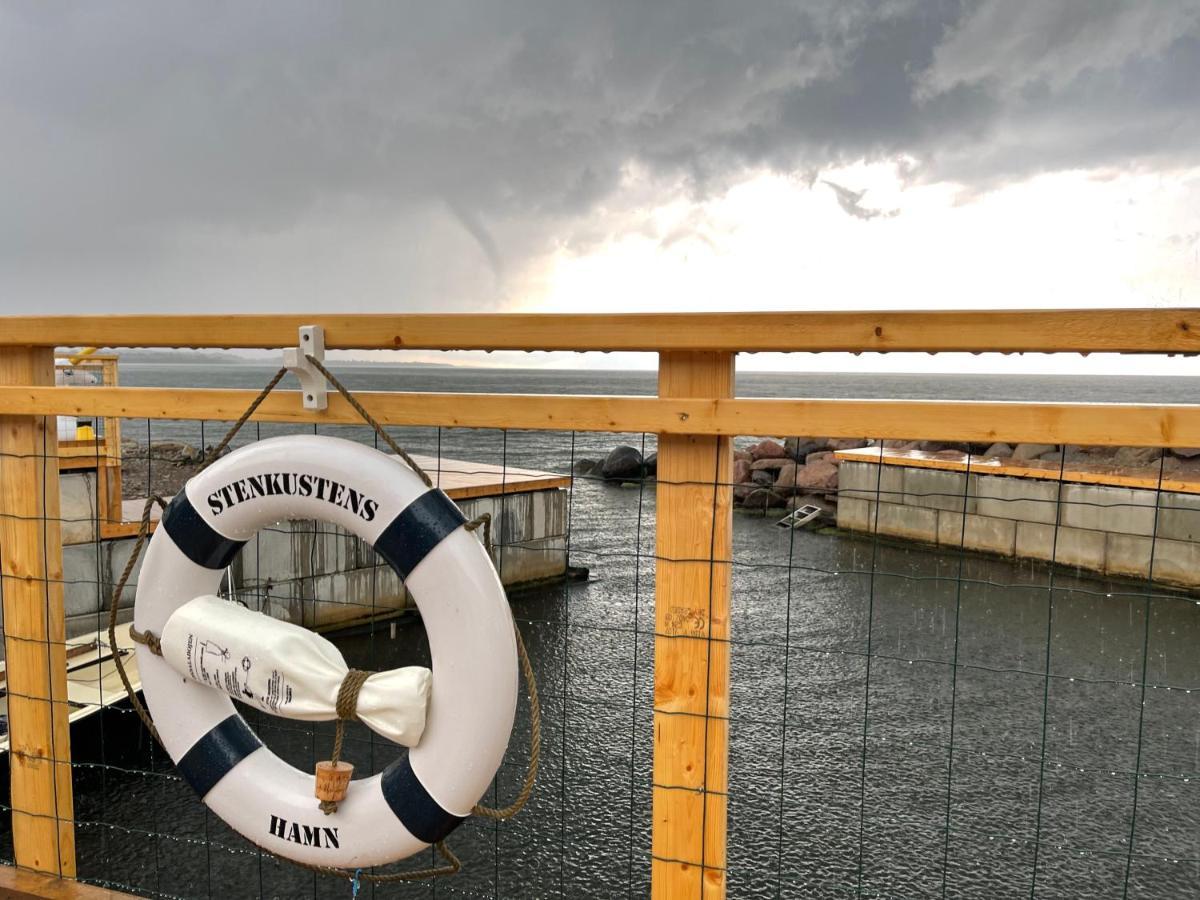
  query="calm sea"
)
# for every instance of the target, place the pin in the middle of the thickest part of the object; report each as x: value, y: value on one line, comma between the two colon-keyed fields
x: 893, y: 730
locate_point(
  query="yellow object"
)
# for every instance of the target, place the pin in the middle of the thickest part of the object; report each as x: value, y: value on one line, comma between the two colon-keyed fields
x: 85, y: 433
x: 82, y: 354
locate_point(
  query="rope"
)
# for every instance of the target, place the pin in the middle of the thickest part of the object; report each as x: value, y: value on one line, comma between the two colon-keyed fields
x: 370, y: 420
x: 485, y: 520
x: 237, y: 426
x: 133, y: 632
x: 147, y: 638
x: 346, y: 707
x: 347, y: 699
x: 535, y: 743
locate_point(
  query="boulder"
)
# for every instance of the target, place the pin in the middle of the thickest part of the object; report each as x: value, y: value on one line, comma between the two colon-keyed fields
x: 176, y: 452
x: 848, y: 443
x: 764, y: 498
x: 893, y: 444
x: 774, y: 464
x: 650, y: 464
x: 767, y: 449
x: 585, y: 467
x: 622, y: 464
x: 1071, y: 455
x: 1188, y: 470
x: 762, y: 477
x: 1181, y: 452
x: 821, y: 456
x: 1104, y: 455
x: 785, y: 481
x: 1032, y: 451
x: 960, y: 446
x: 1137, y: 457
x: 741, y: 471
x: 998, y: 449
x: 798, y: 448
x: 820, y: 477
x: 742, y: 454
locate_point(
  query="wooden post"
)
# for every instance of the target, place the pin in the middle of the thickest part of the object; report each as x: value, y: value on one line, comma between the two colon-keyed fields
x: 691, y: 650
x: 34, y: 627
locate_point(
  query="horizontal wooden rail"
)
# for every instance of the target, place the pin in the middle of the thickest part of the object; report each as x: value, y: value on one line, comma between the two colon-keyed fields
x: 1053, y: 423
x: 19, y: 884
x: 1006, y: 331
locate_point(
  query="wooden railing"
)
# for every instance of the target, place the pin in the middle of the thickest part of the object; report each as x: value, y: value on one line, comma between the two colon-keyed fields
x: 695, y: 414
x: 102, y: 452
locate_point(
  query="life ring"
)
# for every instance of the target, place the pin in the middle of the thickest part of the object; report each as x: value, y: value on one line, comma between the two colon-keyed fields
x: 427, y: 792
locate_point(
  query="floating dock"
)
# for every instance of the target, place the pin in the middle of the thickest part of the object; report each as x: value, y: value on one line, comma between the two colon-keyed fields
x: 313, y: 573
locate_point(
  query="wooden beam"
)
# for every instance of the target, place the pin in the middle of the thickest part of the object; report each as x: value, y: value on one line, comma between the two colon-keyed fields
x: 1072, y: 423
x: 1101, y: 330
x: 31, y: 578
x: 21, y: 885
x: 691, y: 651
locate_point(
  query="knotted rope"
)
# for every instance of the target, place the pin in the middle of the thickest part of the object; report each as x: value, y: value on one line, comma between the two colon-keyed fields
x: 347, y: 698
x: 346, y: 707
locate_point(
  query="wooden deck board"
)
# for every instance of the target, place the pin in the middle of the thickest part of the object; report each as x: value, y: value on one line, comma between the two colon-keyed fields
x: 1077, y: 473
x: 462, y: 479
x: 21, y: 883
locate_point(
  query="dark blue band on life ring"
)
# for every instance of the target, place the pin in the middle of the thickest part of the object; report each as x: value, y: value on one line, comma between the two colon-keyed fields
x: 416, y: 810
x: 420, y: 527
x: 213, y: 756
x: 199, y: 541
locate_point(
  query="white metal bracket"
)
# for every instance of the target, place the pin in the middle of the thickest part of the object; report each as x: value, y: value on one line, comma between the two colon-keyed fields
x: 312, y: 383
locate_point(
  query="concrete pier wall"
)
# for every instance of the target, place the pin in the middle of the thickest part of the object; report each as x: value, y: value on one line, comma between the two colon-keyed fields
x: 1105, y: 528
x: 311, y: 572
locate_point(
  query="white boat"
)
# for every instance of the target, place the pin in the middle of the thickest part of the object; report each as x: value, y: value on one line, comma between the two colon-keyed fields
x: 92, y: 678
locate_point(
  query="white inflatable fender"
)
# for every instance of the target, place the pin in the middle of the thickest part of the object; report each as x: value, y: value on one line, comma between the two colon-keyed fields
x: 427, y: 792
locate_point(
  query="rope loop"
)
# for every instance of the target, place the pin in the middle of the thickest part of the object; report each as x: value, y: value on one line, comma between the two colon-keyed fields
x: 147, y: 638
x: 347, y: 697
x: 483, y: 520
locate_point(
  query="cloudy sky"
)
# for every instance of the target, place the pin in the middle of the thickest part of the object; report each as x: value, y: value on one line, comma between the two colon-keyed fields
x: 599, y: 155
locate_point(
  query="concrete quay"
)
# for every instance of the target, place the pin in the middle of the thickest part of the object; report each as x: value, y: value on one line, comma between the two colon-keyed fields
x: 1073, y: 518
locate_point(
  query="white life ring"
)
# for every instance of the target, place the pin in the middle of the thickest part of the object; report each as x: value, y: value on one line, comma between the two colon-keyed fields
x: 427, y: 792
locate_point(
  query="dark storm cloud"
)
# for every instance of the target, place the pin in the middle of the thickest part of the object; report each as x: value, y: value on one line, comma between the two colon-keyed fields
x: 128, y: 129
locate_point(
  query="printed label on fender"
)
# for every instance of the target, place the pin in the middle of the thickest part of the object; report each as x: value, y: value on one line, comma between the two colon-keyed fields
x: 292, y: 484
x: 210, y: 663
x: 305, y: 835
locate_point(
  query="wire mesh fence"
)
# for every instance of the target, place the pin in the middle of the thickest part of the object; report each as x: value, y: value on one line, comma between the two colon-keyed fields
x: 943, y: 697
